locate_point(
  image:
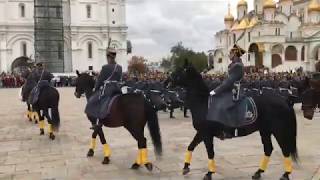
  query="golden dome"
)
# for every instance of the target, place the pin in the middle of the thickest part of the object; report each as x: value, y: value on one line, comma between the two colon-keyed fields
x: 242, y: 25
x: 252, y: 23
x: 242, y: 3
x: 229, y: 16
x: 269, y: 4
x: 314, y: 6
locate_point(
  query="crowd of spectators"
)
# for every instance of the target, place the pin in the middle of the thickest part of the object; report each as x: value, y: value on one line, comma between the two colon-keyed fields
x: 10, y: 80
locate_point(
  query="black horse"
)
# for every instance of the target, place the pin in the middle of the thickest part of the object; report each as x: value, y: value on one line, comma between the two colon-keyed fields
x: 130, y: 111
x: 275, y: 118
x: 47, y: 106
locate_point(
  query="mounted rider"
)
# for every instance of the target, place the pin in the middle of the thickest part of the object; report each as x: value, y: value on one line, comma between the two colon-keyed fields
x: 42, y: 77
x: 106, y: 87
x: 227, y: 104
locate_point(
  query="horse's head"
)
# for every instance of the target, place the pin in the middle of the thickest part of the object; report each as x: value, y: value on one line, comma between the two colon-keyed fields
x: 84, y: 84
x: 309, y: 103
x: 183, y: 76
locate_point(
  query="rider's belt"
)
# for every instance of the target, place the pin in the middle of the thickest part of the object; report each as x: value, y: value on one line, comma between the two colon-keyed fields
x: 156, y: 91
x: 269, y: 88
x: 107, y: 82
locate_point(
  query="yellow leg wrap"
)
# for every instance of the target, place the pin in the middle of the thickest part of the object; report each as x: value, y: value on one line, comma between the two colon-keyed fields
x: 288, y: 164
x: 41, y: 124
x: 212, y: 166
x: 106, y: 150
x: 50, y: 130
x: 139, y: 158
x: 28, y: 114
x: 35, y: 116
x: 93, y: 143
x: 188, y: 157
x: 144, y: 156
x: 264, y: 163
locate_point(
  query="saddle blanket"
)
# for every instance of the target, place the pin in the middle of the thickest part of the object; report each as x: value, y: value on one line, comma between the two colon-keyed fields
x: 232, y: 114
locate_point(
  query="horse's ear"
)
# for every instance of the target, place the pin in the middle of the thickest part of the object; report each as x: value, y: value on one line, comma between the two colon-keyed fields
x: 78, y: 73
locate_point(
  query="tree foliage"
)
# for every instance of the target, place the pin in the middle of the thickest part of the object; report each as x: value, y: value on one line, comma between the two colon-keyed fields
x: 180, y: 53
x: 137, y: 65
x: 166, y: 63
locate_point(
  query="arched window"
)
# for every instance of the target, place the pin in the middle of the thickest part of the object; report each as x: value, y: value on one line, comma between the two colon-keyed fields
x: 88, y: 7
x: 302, y: 53
x: 291, y: 53
x: 22, y: 10
x: 276, y: 60
x: 90, y: 50
x: 23, y: 49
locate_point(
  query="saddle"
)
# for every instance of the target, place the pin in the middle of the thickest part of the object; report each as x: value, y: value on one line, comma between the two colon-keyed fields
x: 100, y: 103
x: 155, y: 97
x: 172, y: 98
x: 224, y: 110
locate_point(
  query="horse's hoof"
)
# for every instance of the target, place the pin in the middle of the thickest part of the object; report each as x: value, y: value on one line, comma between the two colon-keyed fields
x: 135, y: 166
x: 256, y: 176
x: 185, y: 171
x: 90, y: 153
x: 149, y: 166
x: 41, y: 132
x: 285, y: 176
x: 106, y: 160
x: 52, y: 136
x: 208, y: 176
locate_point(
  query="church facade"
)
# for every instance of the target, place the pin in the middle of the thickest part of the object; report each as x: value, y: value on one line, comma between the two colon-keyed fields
x: 280, y: 36
x: 88, y: 26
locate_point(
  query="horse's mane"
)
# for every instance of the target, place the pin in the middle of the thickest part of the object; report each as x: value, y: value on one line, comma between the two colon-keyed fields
x: 88, y: 78
x: 196, y: 80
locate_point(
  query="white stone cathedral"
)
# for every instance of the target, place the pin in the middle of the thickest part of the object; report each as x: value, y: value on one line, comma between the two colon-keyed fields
x: 88, y: 25
x: 281, y: 36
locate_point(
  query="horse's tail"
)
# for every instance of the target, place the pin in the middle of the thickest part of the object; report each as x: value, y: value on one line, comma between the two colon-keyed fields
x: 153, y: 125
x: 292, y: 135
x: 55, y: 115
x: 55, y: 118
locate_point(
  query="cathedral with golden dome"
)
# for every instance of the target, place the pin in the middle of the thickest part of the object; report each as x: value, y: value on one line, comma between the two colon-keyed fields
x: 281, y: 36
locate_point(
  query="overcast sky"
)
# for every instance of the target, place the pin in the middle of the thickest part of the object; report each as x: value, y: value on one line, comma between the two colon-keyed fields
x: 157, y: 25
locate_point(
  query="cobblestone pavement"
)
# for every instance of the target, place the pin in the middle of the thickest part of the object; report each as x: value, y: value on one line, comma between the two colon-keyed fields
x: 26, y: 155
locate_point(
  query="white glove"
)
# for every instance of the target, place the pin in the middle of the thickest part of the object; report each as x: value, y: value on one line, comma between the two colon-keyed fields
x: 212, y: 93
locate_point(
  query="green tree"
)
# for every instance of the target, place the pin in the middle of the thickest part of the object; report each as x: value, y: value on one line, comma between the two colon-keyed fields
x: 166, y: 63
x: 180, y: 53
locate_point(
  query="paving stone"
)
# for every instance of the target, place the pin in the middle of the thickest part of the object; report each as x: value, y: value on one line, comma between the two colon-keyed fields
x: 26, y: 155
